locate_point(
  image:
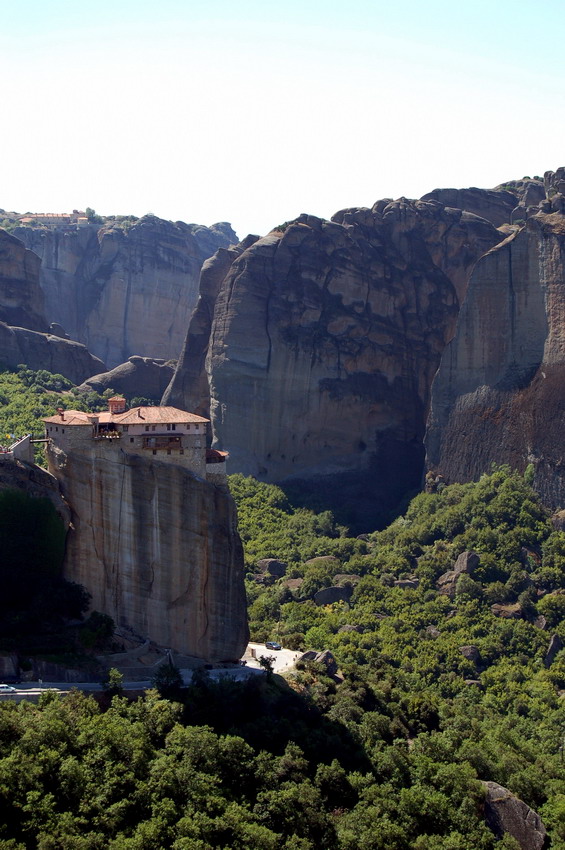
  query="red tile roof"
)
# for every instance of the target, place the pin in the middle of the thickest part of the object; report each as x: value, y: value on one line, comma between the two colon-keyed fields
x: 135, y: 416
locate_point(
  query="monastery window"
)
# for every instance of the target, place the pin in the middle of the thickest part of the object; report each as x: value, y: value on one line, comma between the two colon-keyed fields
x: 154, y: 452
x: 182, y: 451
x: 125, y: 428
x: 168, y: 427
x: 62, y: 430
x: 168, y: 451
x: 174, y: 427
x: 147, y: 427
x: 56, y: 427
x: 153, y: 427
x: 131, y: 439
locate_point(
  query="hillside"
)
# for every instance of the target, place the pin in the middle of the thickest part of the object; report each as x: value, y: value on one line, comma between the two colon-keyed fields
x: 437, y: 694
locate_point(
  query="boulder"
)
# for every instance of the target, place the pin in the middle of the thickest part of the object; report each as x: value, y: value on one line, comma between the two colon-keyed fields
x: 465, y: 563
x: 507, y: 814
x: 328, y: 595
x: 272, y: 566
x: 139, y: 376
x: 348, y: 628
x: 471, y: 653
x: 346, y: 578
x: 432, y: 631
x: 327, y: 659
x: 555, y: 645
x: 46, y: 351
x: 507, y: 612
x: 407, y: 583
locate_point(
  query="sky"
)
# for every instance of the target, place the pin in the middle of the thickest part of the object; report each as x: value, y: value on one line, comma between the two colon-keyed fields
x: 254, y: 112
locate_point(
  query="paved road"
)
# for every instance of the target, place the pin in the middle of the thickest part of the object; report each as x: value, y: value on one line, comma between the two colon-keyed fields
x: 284, y: 659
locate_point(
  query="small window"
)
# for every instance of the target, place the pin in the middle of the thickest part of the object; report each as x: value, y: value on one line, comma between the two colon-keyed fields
x: 168, y: 451
x: 62, y: 430
x: 147, y: 427
x: 154, y: 452
x: 131, y: 439
x: 153, y: 427
x: 56, y: 428
x: 168, y: 427
x: 174, y: 427
x: 125, y: 428
x: 182, y: 451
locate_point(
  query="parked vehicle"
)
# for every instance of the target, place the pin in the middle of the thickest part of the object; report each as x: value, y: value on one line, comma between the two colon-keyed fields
x: 7, y: 689
x: 272, y: 644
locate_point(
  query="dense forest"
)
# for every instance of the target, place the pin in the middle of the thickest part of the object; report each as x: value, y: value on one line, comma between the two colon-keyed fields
x: 439, y: 678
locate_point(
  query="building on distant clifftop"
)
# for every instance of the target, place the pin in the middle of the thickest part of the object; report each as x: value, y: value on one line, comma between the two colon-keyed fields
x: 153, y: 535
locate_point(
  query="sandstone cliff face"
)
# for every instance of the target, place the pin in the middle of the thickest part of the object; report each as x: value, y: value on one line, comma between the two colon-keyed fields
x: 157, y: 548
x: 22, y: 320
x: 322, y: 343
x: 121, y: 291
x: 499, y: 395
x: 21, y: 297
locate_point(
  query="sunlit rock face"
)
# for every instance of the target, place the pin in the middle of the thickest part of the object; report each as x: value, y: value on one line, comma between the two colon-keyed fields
x: 157, y: 547
x: 499, y: 395
x: 313, y: 349
x: 124, y: 291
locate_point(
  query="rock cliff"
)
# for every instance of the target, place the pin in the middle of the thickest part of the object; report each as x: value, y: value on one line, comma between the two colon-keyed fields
x: 498, y: 395
x: 23, y: 326
x: 21, y: 297
x: 157, y: 548
x: 314, y: 347
x: 126, y: 288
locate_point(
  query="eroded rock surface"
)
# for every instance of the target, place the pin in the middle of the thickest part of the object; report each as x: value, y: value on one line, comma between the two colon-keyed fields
x: 499, y: 394
x: 21, y: 297
x: 506, y: 813
x: 158, y: 550
x: 124, y: 290
x: 313, y: 349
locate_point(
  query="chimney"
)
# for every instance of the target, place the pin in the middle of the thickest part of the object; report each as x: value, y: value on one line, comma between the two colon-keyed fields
x: 61, y: 413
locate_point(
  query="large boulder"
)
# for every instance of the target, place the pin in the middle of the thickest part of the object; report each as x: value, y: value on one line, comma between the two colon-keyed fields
x: 45, y: 351
x: 140, y: 376
x: 507, y: 814
x: 464, y: 565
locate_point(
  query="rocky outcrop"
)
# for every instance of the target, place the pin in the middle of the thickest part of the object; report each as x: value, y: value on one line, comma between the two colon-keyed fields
x: 45, y: 351
x: 140, y: 376
x: 315, y: 358
x: 157, y: 548
x: 126, y: 288
x: 35, y: 482
x: 501, y: 205
x: 495, y: 205
x: 464, y: 565
x: 21, y: 297
x: 499, y: 393
x: 507, y: 814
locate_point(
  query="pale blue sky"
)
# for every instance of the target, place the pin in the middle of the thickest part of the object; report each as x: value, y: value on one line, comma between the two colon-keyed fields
x: 253, y: 112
